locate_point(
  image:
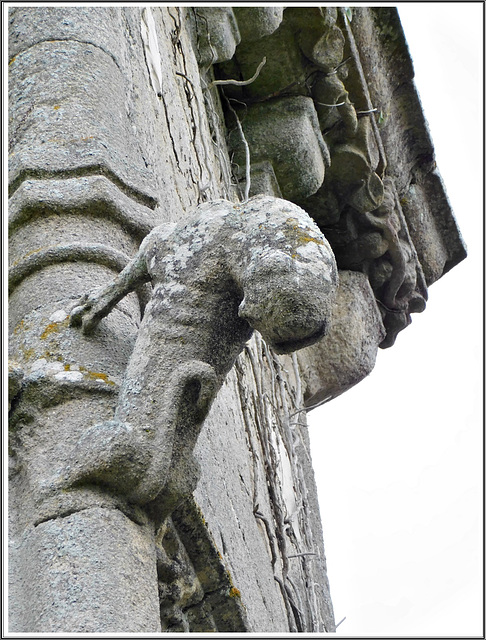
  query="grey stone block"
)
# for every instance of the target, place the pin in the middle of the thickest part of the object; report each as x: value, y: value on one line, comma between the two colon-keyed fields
x: 299, y: 161
x: 99, y: 26
x: 217, y: 34
x: 348, y: 353
x: 432, y: 227
x: 285, y: 67
x: 256, y: 22
x: 263, y: 179
x: 60, y: 123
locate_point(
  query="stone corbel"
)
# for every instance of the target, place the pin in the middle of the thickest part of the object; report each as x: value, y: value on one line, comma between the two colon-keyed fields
x: 298, y: 163
x: 261, y: 265
x: 347, y: 354
x: 220, y: 29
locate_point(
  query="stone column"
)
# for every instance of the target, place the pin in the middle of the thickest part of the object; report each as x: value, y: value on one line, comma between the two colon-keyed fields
x: 92, y: 151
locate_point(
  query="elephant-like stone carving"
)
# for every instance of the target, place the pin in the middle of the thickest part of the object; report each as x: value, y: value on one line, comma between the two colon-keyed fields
x: 228, y: 270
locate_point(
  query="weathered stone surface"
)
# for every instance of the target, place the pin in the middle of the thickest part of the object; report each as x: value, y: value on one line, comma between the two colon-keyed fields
x: 299, y: 162
x: 15, y: 375
x: 256, y: 22
x: 217, y: 34
x: 263, y: 179
x: 71, y: 231
x: 75, y: 576
x: 269, y: 494
x: 436, y: 237
x: 262, y: 265
x: 60, y: 123
x: 284, y: 69
x: 98, y: 26
x: 358, y: 77
x: 348, y: 353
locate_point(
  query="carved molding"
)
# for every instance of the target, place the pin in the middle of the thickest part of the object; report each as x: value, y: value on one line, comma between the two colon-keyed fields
x: 313, y: 56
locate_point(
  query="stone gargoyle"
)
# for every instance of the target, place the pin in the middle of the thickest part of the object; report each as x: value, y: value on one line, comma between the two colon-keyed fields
x: 216, y: 277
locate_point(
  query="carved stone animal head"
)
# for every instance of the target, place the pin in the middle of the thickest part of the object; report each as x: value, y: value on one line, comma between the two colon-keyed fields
x: 290, y: 284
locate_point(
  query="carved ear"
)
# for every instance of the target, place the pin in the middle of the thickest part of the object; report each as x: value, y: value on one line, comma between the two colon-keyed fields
x: 200, y: 373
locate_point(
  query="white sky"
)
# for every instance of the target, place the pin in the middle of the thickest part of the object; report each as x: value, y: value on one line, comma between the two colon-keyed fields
x: 399, y: 458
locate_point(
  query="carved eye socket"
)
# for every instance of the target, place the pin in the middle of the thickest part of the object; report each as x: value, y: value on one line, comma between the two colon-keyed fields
x: 294, y: 345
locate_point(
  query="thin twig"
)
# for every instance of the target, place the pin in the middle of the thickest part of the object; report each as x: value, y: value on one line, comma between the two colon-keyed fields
x: 360, y: 113
x: 314, y: 406
x: 240, y: 83
x: 340, y: 622
x: 323, y: 104
x: 331, y: 73
x: 247, y: 151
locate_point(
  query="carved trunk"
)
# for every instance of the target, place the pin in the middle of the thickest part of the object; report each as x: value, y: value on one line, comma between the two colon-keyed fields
x: 122, y: 119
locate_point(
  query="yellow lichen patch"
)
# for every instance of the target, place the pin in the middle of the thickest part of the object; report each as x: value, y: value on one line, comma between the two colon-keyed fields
x: 51, y: 328
x: 305, y: 238
x: 22, y: 325
x: 234, y: 593
x: 12, y: 60
x: 93, y: 375
x: 56, y: 107
x: 296, y: 233
x: 67, y: 367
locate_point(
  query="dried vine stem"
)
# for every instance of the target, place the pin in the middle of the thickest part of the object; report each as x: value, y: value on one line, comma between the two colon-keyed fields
x: 220, y: 147
x: 243, y: 396
x: 247, y: 151
x: 201, y: 186
x: 324, y: 104
x: 261, y: 419
x: 240, y: 83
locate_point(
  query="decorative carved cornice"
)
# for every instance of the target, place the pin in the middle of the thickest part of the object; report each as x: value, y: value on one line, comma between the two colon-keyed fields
x: 357, y: 201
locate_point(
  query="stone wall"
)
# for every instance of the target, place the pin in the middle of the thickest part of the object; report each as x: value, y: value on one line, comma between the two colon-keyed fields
x: 121, y: 119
